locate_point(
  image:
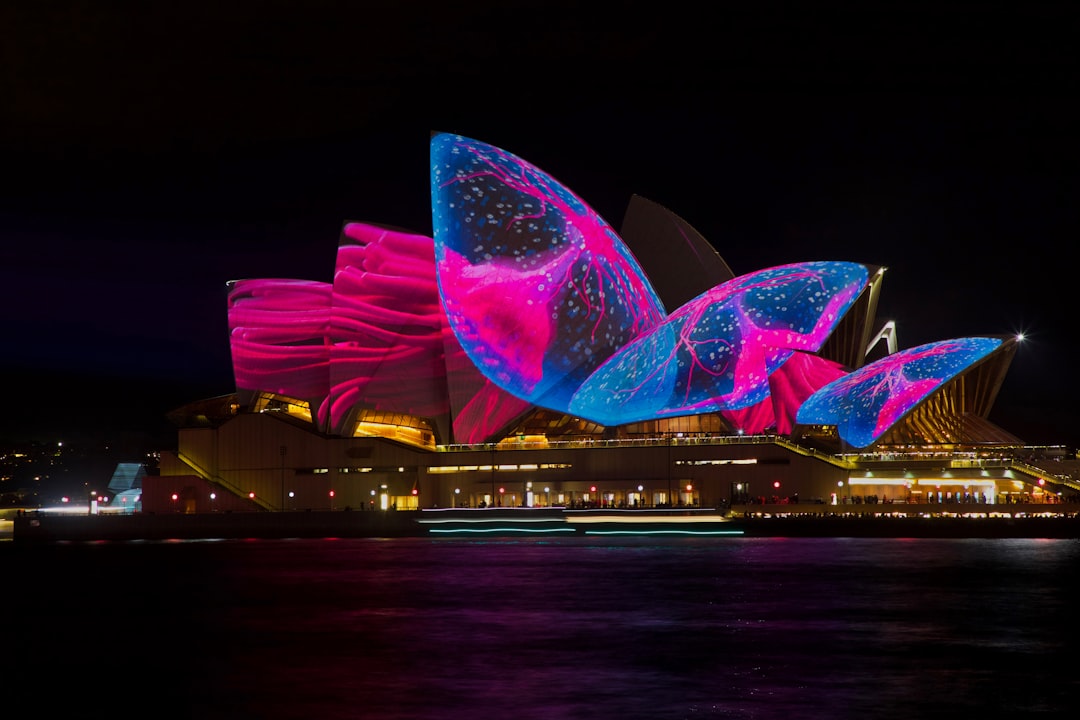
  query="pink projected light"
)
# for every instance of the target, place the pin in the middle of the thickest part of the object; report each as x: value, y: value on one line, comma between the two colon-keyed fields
x: 391, y: 349
x: 717, y: 351
x: 789, y: 386
x: 538, y: 288
x: 386, y: 326
x: 526, y: 297
x: 551, y: 305
x: 277, y: 334
x: 866, y: 403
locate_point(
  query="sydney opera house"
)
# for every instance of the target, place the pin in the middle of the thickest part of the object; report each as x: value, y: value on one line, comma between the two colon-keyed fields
x: 528, y: 354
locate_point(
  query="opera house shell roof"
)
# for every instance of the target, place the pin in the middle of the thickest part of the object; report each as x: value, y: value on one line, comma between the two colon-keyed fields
x: 527, y: 314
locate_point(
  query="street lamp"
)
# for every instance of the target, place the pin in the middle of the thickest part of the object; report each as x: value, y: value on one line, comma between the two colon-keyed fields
x: 669, y: 498
x: 283, y: 451
x: 493, y: 474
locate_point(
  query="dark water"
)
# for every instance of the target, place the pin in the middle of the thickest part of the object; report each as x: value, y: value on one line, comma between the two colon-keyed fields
x: 531, y: 629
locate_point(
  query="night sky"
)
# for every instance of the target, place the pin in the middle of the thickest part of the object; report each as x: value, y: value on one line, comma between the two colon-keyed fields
x: 152, y: 155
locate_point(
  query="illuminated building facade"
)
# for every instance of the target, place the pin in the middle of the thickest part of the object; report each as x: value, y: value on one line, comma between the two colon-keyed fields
x: 527, y: 354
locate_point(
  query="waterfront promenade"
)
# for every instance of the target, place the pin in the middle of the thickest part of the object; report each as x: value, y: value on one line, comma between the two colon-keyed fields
x: 1028, y: 521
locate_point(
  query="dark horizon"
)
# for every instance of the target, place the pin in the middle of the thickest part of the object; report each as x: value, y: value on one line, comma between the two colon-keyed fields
x: 154, y: 156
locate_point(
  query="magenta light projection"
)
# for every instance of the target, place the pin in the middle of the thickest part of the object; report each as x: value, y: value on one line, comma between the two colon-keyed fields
x: 866, y: 403
x: 718, y: 351
x: 789, y: 386
x: 526, y: 297
x: 277, y: 335
x: 385, y: 326
x: 538, y: 288
x: 391, y: 349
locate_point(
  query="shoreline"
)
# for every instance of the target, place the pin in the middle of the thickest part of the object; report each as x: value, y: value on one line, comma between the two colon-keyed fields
x: 40, y: 528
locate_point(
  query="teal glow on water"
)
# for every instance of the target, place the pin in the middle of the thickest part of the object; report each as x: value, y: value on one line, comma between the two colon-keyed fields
x: 546, y: 627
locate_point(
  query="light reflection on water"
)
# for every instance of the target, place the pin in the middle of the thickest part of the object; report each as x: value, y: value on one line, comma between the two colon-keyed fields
x: 571, y: 627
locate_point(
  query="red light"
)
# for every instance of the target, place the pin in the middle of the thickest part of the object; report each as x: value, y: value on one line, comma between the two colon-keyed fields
x: 776, y: 484
x: 251, y: 495
x: 331, y: 493
x: 175, y: 496
x: 502, y: 490
x: 415, y: 491
x: 592, y: 488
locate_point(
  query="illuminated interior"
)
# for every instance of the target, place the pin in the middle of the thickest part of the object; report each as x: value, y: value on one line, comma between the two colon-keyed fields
x: 395, y: 426
x: 268, y: 402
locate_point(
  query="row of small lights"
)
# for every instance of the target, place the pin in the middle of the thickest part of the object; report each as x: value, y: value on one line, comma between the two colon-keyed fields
x: 457, y: 491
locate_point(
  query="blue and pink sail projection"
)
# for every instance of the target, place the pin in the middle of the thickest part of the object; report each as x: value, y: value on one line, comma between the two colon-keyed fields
x: 551, y: 305
x: 537, y: 287
x: 866, y: 403
x: 718, y: 351
x: 526, y: 297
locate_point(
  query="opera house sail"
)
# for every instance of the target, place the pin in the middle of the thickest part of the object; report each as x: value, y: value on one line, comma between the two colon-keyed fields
x: 526, y: 318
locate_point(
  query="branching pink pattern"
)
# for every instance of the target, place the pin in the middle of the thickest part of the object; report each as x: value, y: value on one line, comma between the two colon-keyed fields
x: 538, y: 287
x: 867, y: 402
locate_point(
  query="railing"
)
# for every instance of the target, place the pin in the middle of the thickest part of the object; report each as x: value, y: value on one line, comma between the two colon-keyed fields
x: 587, y: 443
x: 221, y: 482
x: 1037, y: 472
x: 910, y: 509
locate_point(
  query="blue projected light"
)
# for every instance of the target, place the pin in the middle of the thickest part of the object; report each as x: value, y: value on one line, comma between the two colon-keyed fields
x: 551, y: 306
x: 866, y: 403
x: 717, y: 351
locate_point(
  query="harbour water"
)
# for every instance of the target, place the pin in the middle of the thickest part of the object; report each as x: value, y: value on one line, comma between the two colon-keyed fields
x: 542, y: 628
